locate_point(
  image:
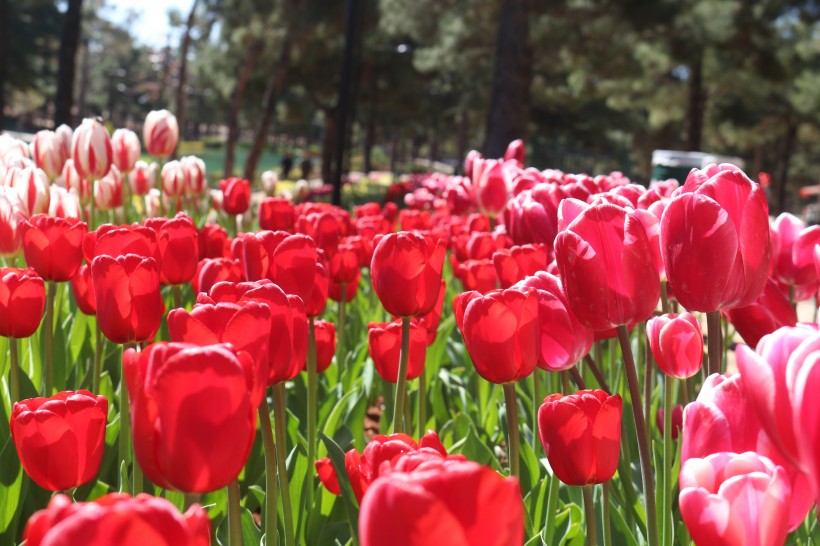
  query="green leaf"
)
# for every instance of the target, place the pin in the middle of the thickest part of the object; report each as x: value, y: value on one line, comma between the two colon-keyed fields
x: 337, y: 457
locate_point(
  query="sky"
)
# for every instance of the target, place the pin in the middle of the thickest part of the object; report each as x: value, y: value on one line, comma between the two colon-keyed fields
x: 151, y: 25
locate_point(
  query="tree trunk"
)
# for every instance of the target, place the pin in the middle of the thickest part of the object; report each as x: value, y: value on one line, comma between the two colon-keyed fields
x: 84, y: 75
x: 461, y: 151
x: 697, y: 100
x: 394, y: 153
x: 237, y: 97
x: 69, y: 41
x: 5, y: 16
x: 783, y: 177
x: 183, y: 71
x: 328, y: 143
x: 165, y: 73
x: 510, y: 102
x: 272, y: 92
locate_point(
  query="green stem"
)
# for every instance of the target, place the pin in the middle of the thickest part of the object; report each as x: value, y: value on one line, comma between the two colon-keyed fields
x: 401, y: 383
x: 607, y: 528
x: 666, y: 510
x: 647, y: 388
x: 643, y: 440
x: 340, y: 331
x: 596, y: 371
x: 589, y: 512
x: 313, y: 384
x: 511, y: 403
x: 191, y: 499
x: 577, y: 378
x: 98, y: 357
x: 176, y: 290
x: 714, y: 334
x: 136, y: 479
x: 125, y: 421
x: 126, y: 198
x: 422, y: 402
x: 537, y: 400
x: 271, y: 519
x: 565, y: 384
x: 48, y: 326
x: 664, y: 297
x: 14, y: 371
x: 552, y: 506
x: 92, y: 208
x: 279, y: 411
x: 234, y: 515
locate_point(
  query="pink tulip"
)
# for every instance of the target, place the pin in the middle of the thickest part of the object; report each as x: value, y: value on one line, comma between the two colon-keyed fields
x: 491, y: 192
x: 160, y: 133
x: 516, y: 151
x: 32, y: 185
x: 126, y: 149
x: 792, y: 262
x: 91, y: 150
x: 728, y: 499
x: 770, y: 311
x: 677, y: 344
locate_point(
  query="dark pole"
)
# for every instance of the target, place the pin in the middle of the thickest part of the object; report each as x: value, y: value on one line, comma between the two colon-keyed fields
x: 344, y: 98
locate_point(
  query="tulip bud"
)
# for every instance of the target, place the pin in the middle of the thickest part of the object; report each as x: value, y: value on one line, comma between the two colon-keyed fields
x: 160, y: 133
x: 23, y: 303
x: 142, y: 178
x: 676, y: 342
x: 125, y: 148
x: 173, y: 179
x: 195, y: 174
x: 108, y: 190
x: 32, y: 186
x: 91, y: 150
x: 46, y: 149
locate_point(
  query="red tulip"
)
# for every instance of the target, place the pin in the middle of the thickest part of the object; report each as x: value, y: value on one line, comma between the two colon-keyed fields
x: 384, y: 346
x: 125, y: 147
x: 563, y: 339
x: 677, y: 420
x: 193, y: 413
x: 53, y: 246
x: 83, y: 288
x: 325, y: 334
x: 676, y: 342
x: 22, y: 302
x: 723, y: 418
x: 532, y: 215
x: 431, y: 320
x: 406, y: 272
x: 117, y: 519
x: 343, y: 265
x: 516, y: 151
x: 500, y: 331
x: 517, y: 262
x: 91, y: 150
x: 213, y: 241
x: 178, y: 245
x: 606, y: 265
x: 160, y: 133
x: 317, y: 302
x: 364, y: 468
x: 581, y: 434
x: 458, y: 503
x: 334, y: 289
x: 287, y: 345
x: 478, y: 275
x: 111, y: 240
x: 60, y: 439
x: 11, y: 221
x: 491, y: 191
x: 325, y: 228
x: 770, y: 311
x: 715, y: 240
x: 728, y: 499
x: 213, y: 270
x: 129, y: 304
x: 236, y: 195
x: 276, y: 214
x: 288, y: 260
x: 412, y: 220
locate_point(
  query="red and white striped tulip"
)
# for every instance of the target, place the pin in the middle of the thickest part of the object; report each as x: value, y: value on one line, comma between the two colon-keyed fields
x: 64, y: 136
x: 160, y: 133
x: 108, y: 190
x: 173, y: 179
x: 91, y: 150
x: 32, y: 185
x: 64, y: 203
x: 126, y: 149
x: 142, y: 178
x: 11, y: 218
x: 47, y: 152
x: 194, y: 169
x: 73, y: 181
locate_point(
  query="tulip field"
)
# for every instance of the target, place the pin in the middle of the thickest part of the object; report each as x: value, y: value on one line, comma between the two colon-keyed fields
x: 511, y: 357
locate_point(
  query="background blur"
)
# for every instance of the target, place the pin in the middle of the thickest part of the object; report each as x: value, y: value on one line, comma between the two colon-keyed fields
x: 592, y: 85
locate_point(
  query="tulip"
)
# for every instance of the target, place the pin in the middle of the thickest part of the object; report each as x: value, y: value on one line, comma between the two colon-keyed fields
x: 334, y: 289
x: 142, y: 177
x: 108, y: 190
x: 676, y: 342
x: 236, y: 195
x: 677, y: 421
x: 111, y: 240
x: 723, y: 418
x: 581, y: 434
x: 518, y: 262
x: 47, y: 152
x: 490, y: 186
x: 22, y: 301
x: 193, y: 413
x: 325, y: 334
x: 83, y: 288
x: 53, y: 246
x: 288, y: 260
x: 364, y: 468
x: 792, y: 263
x: 276, y: 213
x: 478, y: 275
x: 472, y: 505
x: 125, y: 147
x: 174, y: 179
x: 62, y: 203
x: 728, y: 499
x: 715, y: 240
x: 213, y: 270
x: 129, y: 304
x: 770, y: 311
x: 213, y: 241
x: 160, y: 133
x: 269, y: 181
x: 194, y: 169
x: 64, y: 137
x: 60, y: 439
x: 11, y: 221
x: 91, y: 150
x: 563, y: 339
x: 500, y: 354
x: 343, y: 265
x: 515, y: 150
x: 384, y: 346
x: 317, y: 302
x: 606, y: 265
x: 406, y: 271
x: 247, y: 327
x: 73, y: 181
x: 532, y: 215
x: 116, y: 518
x: 431, y: 320
x: 178, y: 246
x: 32, y: 186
